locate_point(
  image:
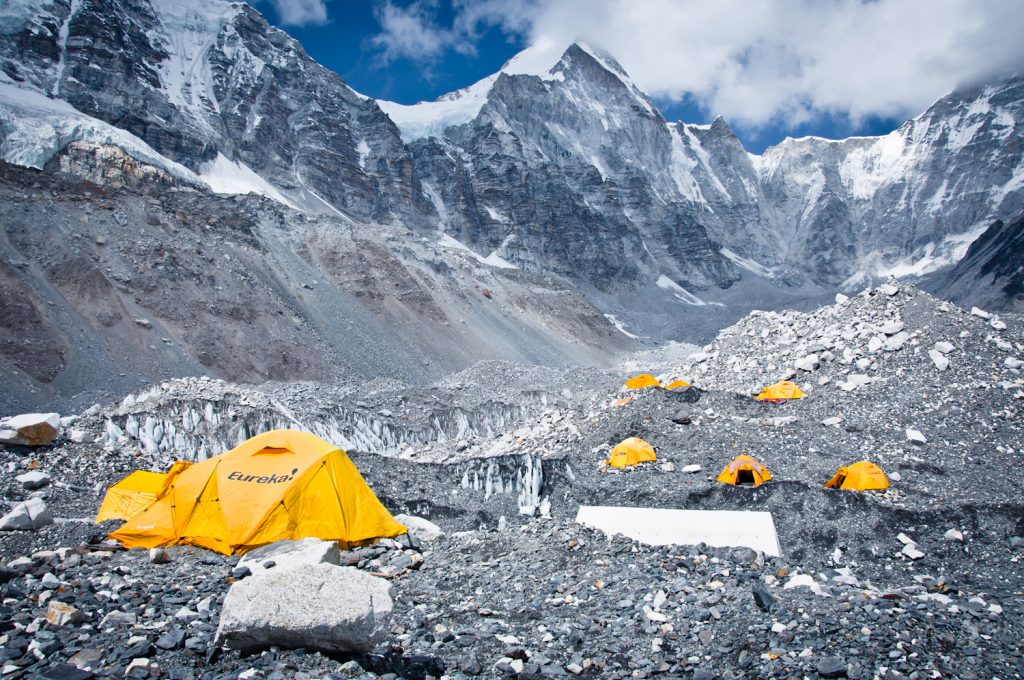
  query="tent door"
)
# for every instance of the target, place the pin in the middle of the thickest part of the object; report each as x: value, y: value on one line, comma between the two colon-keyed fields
x: 745, y: 478
x: 839, y: 481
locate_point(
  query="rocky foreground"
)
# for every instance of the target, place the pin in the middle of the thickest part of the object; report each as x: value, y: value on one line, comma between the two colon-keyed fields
x: 922, y: 580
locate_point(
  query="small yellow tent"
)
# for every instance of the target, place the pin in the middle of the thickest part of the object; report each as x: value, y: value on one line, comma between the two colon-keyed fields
x: 676, y: 383
x: 862, y: 476
x: 283, y: 484
x: 630, y: 452
x: 641, y: 381
x: 780, y: 391
x: 136, y: 492
x: 744, y: 470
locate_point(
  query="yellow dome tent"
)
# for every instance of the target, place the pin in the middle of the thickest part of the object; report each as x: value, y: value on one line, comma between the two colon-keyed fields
x: 780, y: 391
x: 743, y: 471
x: 283, y: 484
x: 862, y: 476
x: 136, y: 492
x: 641, y: 381
x: 630, y: 452
x: 676, y: 383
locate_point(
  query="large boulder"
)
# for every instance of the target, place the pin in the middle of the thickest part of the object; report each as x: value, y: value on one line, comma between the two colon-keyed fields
x: 290, y: 554
x: 316, y: 606
x: 423, y: 530
x: 30, y: 429
x: 32, y: 514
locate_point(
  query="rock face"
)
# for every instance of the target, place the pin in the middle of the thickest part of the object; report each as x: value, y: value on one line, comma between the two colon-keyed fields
x: 991, y: 274
x: 30, y: 429
x: 322, y: 606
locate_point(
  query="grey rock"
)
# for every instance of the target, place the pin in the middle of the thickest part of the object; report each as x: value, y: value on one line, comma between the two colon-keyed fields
x: 831, y: 667
x: 320, y: 606
x: 290, y: 553
x: 28, y: 515
x: 30, y: 429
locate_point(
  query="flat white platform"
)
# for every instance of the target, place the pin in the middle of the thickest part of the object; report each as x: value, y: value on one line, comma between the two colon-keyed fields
x: 666, y: 526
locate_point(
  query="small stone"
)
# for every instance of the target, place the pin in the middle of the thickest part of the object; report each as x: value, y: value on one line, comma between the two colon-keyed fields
x: 144, y: 323
x: 915, y: 437
x: 953, y: 535
x: 832, y: 422
x: 944, y: 347
x: 1010, y: 362
x: 140, y: 668
x: 667, y: 467
x: 159, y: 556
x: 691, y: 469
x: 911, y: 551
x: 896, y: 342
x: 841, y: 299
x: 62, y: 614
x: 34, y: 479
x: 762, y: 597
x: 574, y: 668
x: 997, y: 324
x: 939, y: 359
x: 831, y: 667
x: 892, y: 327
x: 980, y: 313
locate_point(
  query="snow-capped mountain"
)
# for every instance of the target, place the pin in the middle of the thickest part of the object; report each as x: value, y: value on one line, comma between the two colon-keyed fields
x: 209, y: 92
x: 566, y: 168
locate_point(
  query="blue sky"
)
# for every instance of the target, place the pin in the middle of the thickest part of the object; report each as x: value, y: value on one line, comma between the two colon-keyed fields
x: 784, y: 68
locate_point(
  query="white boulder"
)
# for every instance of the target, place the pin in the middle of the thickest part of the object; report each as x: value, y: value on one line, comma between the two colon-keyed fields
x: 1010, y: 362
x: 807, y: 363
x: 283, y: 555
x: 896, y: 342
x: 915, y: 436
x: 31, y: 514
x: 30, y: 429
x: 944, y: 347
x: 33, y: 479
x: 980, y: 313
x: 316, y: 606
x: 420, y: 529
x: 940, y: 360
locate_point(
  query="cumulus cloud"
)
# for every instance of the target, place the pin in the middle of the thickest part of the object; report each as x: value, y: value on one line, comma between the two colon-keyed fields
x: 301, y: 12
x: 759, y: 62
x: 412, y: 32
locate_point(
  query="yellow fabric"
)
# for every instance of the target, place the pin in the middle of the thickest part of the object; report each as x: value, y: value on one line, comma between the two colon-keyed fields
x: 136, y: 492
x: 641, y: 381
x: 731, y: 473
x: 283, y: 484
x: 862, y: 476
x: 676, y: 383
x: 629, y: 452
x: 781, y: 390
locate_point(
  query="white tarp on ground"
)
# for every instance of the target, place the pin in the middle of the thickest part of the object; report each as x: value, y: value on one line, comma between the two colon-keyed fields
x: 665, y: 526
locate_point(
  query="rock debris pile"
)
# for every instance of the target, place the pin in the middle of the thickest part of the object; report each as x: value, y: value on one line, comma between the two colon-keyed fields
x: 488, y: 468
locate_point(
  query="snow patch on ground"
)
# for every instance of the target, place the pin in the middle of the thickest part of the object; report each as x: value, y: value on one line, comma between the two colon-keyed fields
x: 363, y: 149
x: 750, y: 265
x: 678, y: 291
x: 235, y: 177
x: 620, y: 326
x: 492, y: 260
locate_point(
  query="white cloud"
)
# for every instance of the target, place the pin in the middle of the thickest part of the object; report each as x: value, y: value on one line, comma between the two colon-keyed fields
x: 768, y: 61
x: 412, y: 32
x: 301, y: 12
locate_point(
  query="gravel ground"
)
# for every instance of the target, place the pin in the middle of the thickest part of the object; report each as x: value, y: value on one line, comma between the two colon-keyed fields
x: 506, y: 593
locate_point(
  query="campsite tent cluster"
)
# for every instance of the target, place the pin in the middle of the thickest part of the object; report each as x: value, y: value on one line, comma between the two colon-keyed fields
x: 282, y: 484
x: 745, y: 470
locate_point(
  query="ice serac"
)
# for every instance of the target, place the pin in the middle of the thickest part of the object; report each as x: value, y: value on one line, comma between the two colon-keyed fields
x: 213, y: 87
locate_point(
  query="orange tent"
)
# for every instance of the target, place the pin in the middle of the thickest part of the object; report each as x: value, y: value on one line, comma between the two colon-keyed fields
x: 744, y: 471
x: 676, y: 383
x: 781, y: 391
x: 136, y: 492
x: 862, y: 476
x: 283, y: 484
x: 631, y: 452
x: 641, y: 381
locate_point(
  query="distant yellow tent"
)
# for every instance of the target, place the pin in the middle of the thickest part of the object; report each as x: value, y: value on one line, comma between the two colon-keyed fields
x: 630, y: 452
x: 780, y: 391
x: 641, y: 381
x: 676, y: 383
x: 283, y: 484
x: 862, y: 476
x: 136, y: 492
x: 743, y: 471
